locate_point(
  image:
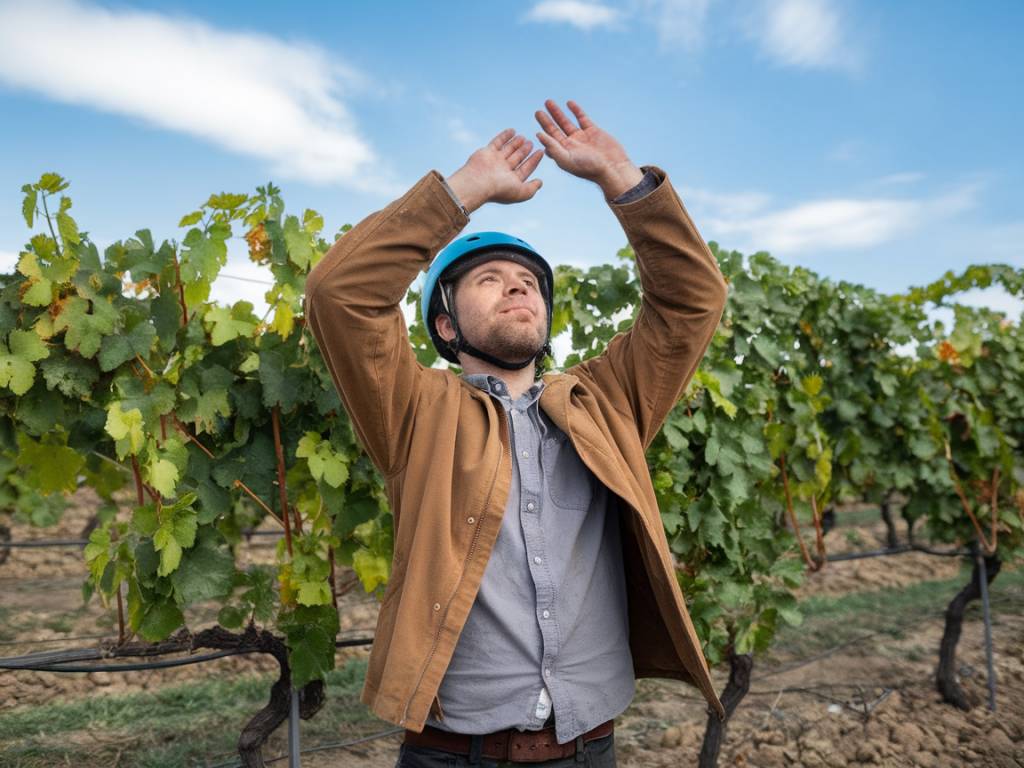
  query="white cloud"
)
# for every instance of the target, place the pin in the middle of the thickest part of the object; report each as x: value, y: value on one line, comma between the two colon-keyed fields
x: 446, y: 113
x: 824, y: 224
x: 460, y: 133
x: 995, y: 297
x: 584, y: 15
x: 901, y: 178
x: 797, y: 33
x: 847, y: 151
x: 727, y: 205
x: 802, y: 33
x: 247, y: 92
x: 677, y: 22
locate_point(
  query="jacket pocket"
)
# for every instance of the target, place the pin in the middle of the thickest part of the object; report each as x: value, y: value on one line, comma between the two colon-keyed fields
x: 570, y: 483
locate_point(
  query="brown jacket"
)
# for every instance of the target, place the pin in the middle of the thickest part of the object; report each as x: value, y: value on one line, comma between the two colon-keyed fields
x: 443, y: 446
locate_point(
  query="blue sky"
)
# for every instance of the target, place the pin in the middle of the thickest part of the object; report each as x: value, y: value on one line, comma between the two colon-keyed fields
x: 868, y: 141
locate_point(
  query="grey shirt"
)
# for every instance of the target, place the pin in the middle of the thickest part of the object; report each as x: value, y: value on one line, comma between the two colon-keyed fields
x: 548, y: 633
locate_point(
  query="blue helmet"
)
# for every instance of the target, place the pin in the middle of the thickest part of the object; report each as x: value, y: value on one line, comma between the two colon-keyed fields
x: 460, y: 256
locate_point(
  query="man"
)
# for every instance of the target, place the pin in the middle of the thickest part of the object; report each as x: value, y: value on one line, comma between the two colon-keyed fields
x: 532, y: 581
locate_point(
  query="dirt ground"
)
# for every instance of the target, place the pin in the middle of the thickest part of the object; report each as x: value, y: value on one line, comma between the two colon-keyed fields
x: 869, y: 702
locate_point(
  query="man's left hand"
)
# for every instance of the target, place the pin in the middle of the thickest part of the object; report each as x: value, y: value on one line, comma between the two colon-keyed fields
x: 586, y: 150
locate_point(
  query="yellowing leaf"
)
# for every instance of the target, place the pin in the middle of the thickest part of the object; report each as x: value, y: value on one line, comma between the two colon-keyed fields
x: 314, y: 593
x: 163, y: 476
x: 126, y: 429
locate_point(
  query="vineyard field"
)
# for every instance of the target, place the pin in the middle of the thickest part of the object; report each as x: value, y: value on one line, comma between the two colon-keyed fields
x: 135, y: 719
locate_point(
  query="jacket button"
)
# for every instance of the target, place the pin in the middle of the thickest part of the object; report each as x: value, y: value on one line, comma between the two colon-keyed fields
x: 437, y: 606
x: 470, y: 520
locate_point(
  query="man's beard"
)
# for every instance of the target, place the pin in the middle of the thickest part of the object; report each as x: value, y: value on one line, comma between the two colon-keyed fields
x: 508, y: 341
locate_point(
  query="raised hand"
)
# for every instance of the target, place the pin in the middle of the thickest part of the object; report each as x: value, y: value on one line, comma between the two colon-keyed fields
x: 586, y: 150
x: 498, y: 172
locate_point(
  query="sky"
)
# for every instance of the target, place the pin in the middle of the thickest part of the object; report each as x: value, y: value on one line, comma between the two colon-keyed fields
x: 873, y: 142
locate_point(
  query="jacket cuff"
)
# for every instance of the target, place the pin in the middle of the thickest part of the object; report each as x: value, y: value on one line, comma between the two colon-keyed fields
x: 647, y: 184
x: 454, y: 197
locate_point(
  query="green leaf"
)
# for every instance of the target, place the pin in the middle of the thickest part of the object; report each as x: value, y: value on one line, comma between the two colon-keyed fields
x: 52, y: 183
x: 205, y: 396
x: 68, y: 230
x: 226, y: 201
x: 300, y: 249
x: 206, y: 571
x: 791, y: 616
x: 16, y: 369
x: 85, y: 324
x: 310, y: 631
x: 231, y: 617
x: 712, y: 449
x: 812, y: 385
x: 923, y: 447
x: 170, y: 553
x: 39, y: 293
x: 122, y: 347
x: 28, y: 205
x: 144, y: 519
x: 190, y: 218
x: 49, y: 468
x: 767, y: 349
x: 97, y: 552
x: 228, y: 324
x: 324, y: 463
x: 159, y: 620
x: 69, y: 374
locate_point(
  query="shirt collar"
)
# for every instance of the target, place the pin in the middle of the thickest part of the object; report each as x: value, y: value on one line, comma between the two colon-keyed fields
x: 497, y: 387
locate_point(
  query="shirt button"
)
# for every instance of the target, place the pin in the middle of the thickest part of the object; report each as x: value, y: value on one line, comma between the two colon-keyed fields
x: 529, y: 506
x: 546, y: 614
x: 547, y: 672
x: 537, y: 559
x: 526, y: 454
x: 470, y: 520
x: 437, y: 606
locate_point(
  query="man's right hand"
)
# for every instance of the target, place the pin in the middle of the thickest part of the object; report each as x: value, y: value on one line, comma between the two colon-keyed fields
x: 498, y: 172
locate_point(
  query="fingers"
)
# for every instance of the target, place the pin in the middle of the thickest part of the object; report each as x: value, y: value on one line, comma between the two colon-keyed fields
x: 513, y: 148
x: 530, y: 165
x: 585, y: 122
x: 563, y: 122
x: 549, y: 126
x: 552, y: 145
x: 499, y: 141
x: 523, y: 150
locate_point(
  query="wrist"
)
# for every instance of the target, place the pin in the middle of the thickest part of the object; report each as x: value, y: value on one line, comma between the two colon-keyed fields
x: 469, y: 194
x: 619, y: 179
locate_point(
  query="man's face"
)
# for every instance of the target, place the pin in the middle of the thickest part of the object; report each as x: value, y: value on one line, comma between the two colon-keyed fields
x: 501, y: 310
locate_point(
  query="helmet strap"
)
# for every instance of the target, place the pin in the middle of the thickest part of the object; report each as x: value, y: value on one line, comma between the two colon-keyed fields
x: 460, y: 344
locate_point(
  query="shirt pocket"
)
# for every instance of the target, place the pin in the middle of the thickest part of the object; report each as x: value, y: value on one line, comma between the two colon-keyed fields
x: 570, y: 483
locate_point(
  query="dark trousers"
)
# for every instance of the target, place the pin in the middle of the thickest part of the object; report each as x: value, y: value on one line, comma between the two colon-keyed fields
x: 599, y: 753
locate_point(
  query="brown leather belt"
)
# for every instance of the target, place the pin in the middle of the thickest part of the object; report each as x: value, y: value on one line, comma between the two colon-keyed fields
x: 510, y: 744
